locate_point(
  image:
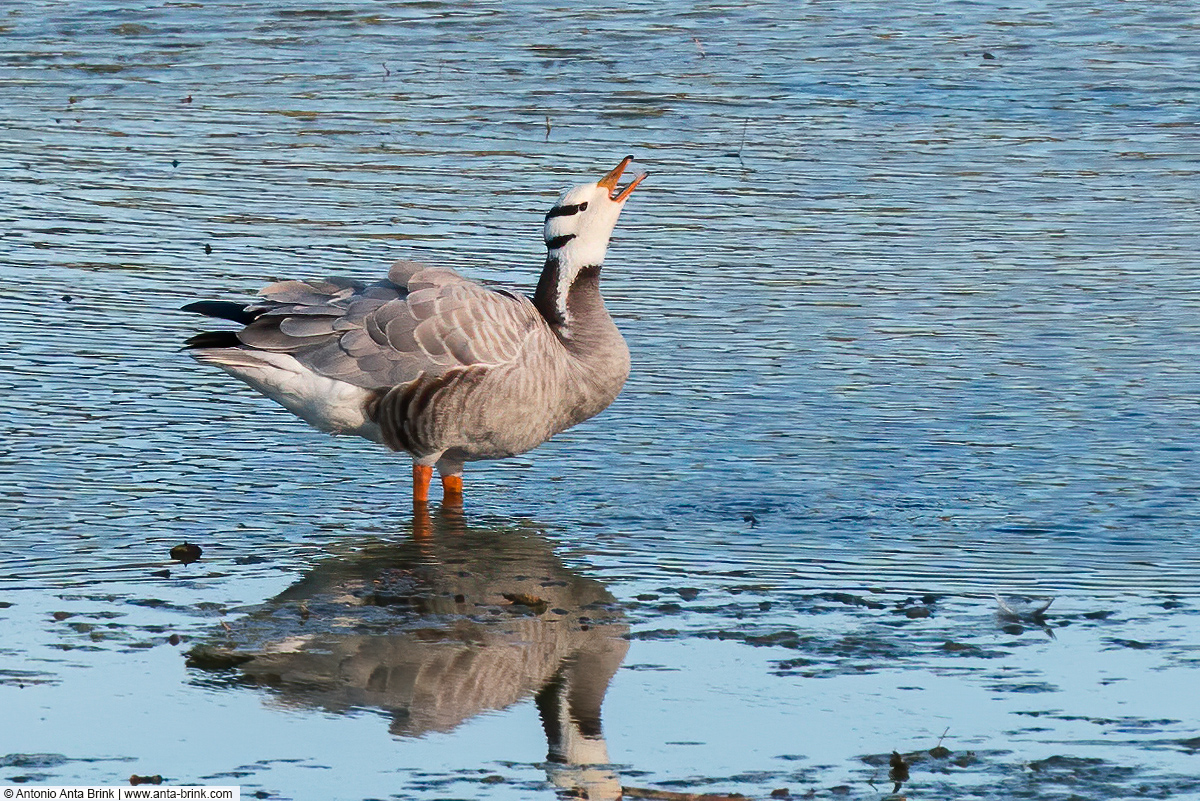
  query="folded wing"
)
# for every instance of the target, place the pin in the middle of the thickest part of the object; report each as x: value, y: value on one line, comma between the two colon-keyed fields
x: 421, y: 320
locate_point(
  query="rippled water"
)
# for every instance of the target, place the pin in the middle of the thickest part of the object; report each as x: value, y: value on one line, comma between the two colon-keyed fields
x: 913, y: 313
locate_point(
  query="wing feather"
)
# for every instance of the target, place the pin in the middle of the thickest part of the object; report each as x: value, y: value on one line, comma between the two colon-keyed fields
x: 308, y: 293
x: 430, y: 339
x: 422, y: 321
x: 399, y: 330
x: 307, y: 326
x: 433, y: 278
x: 357, y: 343
x: 266, y: 335
x: 403, y: 270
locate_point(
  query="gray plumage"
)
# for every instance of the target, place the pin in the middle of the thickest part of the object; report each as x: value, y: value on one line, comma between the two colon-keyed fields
x: 432, y: 363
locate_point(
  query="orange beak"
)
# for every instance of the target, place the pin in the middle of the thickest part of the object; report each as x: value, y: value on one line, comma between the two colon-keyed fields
x: 609, y: 181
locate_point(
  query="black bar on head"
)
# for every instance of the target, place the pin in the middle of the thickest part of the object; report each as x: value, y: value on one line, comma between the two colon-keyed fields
x: 563, y: 211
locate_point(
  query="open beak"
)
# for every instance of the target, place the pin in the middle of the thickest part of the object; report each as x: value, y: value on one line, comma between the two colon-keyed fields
x: 609, y: 181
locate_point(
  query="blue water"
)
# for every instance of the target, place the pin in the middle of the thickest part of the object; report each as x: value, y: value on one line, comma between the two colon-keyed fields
x: 910, y: 297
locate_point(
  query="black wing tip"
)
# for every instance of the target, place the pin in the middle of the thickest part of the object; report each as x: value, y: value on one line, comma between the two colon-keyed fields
x: 212, y: 339
x: 223, y: 310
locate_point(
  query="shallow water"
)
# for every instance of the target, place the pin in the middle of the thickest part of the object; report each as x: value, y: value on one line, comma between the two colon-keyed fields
x: 911, y: 326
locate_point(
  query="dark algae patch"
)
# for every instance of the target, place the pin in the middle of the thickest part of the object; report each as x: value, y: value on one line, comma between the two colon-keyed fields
x: 831, y: 636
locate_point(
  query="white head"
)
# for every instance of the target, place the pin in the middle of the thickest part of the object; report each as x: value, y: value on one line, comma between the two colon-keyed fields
x: 577, y: 231
x: 578, y: 227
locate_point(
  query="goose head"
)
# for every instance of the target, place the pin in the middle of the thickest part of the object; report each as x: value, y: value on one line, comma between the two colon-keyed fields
x: 582, y: 220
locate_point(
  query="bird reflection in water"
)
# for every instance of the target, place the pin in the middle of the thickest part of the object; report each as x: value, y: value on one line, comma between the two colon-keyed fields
x: 433, y: 630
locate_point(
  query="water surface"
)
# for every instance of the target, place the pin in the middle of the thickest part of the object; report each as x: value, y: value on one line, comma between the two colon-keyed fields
x: 911, y: 303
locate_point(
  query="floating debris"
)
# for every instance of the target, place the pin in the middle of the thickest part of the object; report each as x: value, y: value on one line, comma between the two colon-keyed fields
x: 737, y: 154
x: 1020, y: 607
x: 209, y: 658
x: 939, y: 751
x: 1015, y: 611
x: 532, y: 602
x: 186, y: 553
x: 898, y: 770
x: 135, y: 779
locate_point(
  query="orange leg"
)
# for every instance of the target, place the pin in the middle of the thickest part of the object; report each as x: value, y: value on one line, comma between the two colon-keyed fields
x: 422, y: 475
x: 452, y: 490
